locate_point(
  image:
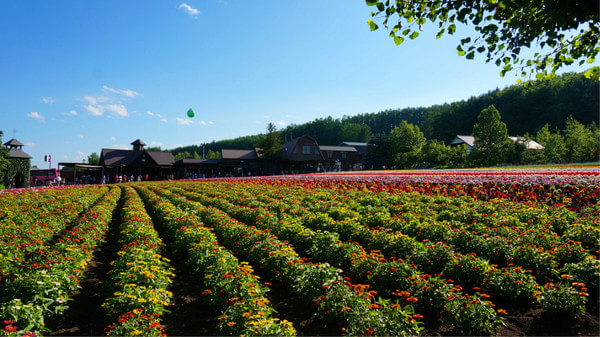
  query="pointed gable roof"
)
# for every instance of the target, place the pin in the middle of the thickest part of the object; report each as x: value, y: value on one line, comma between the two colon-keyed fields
x: 14, y: 149
x: 13, y: 143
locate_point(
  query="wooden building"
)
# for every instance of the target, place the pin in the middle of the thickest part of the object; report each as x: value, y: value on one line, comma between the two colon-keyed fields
x: 20, y: 165
x: 137, y: 164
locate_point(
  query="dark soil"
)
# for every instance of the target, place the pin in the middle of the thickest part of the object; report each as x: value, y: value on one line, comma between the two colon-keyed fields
x: 85, y: 316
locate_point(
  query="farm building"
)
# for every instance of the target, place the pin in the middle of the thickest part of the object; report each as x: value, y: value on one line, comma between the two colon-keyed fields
x: 469, y: 142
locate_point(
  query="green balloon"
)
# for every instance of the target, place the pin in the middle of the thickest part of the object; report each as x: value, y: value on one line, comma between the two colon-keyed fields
x: 191, y: 113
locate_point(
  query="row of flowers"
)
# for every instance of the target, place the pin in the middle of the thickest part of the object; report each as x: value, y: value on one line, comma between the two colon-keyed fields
x: 429, y: 296
x: 28, y: 221
x: 574, y: 189
x: 138, y: 283
x: 230, y: 285
x: 41, y: 289
x: 360, y: 311
x: 508, y: 282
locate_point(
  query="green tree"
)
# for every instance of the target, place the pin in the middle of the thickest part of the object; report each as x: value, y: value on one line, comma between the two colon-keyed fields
x: 377, y: 154
x: 458, y: 156
x: 435, y: 153
x: 271, y: 146
x: 4, y: 162
x: 581, y: 142
x: 406, y: 141
x: 568, y: 29
x: 491, y: 138
x: 93, y: 159
x: 181, y: 155
x: 553, y: 143
x: 213, y: 155
x: 353, y: 132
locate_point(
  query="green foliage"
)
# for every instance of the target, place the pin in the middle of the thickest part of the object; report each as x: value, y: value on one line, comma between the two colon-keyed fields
x: 436, y: 154
x: 491, y: 138
x: 18, y: 171
x: 353, y: 132
x: 93, y: 158
x: 378, y: 154
x: 271, y: 147
x: 554, y: 144
x: 581, y: 142
x: 568, y: 31
x: 4, y: 163
x: 406, y: 141
x: 181, y: 155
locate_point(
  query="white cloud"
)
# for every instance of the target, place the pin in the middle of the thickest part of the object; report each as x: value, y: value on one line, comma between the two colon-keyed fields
x: 81, y: 153
x: 90, y: 99
x: 280, y: 124
x: 113, y: 138
x: 94, y: 110
x: 116, y: 109
x: 162, y: 119
x: 48, y: 100
x: 70, y: 113
x: 35, y: 115
x: 30, y: 144
x: 80, y: 136
x: 124, y: 92
x: 184, y: 121
x: 156, y: 144
x: 205, y: 123
x: 188, y: 9
x: 121, y: 147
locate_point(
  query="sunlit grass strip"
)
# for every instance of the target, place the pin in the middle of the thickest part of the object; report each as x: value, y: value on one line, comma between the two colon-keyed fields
x: 42, y: 289
x: 229, y: 285
x: 321, y: 284
x: 140, y: 277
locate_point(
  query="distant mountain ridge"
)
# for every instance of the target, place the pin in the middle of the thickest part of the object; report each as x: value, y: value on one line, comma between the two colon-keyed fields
x: 523, y: 109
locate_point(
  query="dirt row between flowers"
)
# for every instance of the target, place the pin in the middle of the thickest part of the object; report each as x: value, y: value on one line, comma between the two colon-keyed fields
x: 191, y: 316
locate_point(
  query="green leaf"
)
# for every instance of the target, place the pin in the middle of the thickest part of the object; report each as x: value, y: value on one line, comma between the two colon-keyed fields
x: 372, y: 24
x: 414, y: 35
x: 465, y: 40
x: 519, y: 81
x: 451, y: 29
x: 440, y: 33
x: 371, y: 2
x: 591, y: 60
x: 460, y: 51
x: 398, y: 40
x: 470, y: 55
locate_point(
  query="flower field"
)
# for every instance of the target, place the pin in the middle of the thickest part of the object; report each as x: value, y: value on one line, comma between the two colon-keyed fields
x: 395, y: 253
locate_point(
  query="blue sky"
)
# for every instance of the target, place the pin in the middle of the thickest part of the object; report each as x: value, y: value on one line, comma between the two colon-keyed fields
x: 79, y: 76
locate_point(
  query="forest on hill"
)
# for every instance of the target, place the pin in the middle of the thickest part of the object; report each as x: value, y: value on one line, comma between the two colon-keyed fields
x: 524, y: 109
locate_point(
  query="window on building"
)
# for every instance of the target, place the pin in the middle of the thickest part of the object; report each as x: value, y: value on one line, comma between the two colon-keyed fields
x: 329, y: 154
x: 344, y: 154
x: 305, y: 149
x: 295, y: 150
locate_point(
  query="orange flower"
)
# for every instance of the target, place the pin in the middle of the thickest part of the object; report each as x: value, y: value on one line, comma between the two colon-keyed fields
x: 231, y: 324
x: 412, y: 299
x: 565, y: 276
x: 502, y: 311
